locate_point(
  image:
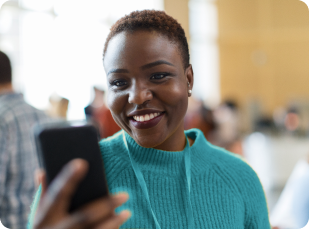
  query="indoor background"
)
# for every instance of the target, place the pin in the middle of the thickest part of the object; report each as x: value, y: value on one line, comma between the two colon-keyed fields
x: 250, y: 60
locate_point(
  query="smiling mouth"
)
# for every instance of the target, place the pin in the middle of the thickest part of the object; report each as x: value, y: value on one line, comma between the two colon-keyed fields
x: 146, y: 117
x: 146, y: 121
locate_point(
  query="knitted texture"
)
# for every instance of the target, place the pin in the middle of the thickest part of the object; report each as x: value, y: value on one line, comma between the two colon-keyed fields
x: 225, y: 191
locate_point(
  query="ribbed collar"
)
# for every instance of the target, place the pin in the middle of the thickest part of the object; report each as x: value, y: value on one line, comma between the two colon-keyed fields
x: 166, y: 161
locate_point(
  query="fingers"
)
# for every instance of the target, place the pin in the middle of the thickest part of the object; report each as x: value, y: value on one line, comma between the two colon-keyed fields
x: 74, y: 221
x: 78, y: 220
x: 40, y: 179
x: 104, y: 208
x: 37, y: 181
x: 56, y: 198
x: 115, y: 221
x: 58, y: 195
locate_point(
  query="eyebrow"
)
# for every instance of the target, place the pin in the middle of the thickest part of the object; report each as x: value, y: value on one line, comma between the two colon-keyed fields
x: 158, y: 62
x: 146, y: 66
x: 118, y: 70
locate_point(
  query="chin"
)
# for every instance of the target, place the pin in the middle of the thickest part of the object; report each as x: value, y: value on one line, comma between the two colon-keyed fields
x: 148, y: 141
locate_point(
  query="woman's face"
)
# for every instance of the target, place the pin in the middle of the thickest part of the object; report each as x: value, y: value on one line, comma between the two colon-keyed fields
x: 148, y: 88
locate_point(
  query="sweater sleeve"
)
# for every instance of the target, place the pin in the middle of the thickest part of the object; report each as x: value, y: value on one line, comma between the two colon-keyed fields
x: 243, y: 180
x: 256, y: 213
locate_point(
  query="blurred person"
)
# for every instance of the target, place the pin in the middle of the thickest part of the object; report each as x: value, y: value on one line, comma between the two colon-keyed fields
x: 279, y: 118
x: 175, y: 178
x: 201, y: 117
x: 292, y: 208
x: 97, y: 101
x: 228, y: 134
x: 18, y: 160
x: 98, y: 113
x: 301, y: 202
x: 292, y: 119
x: 58, y: 107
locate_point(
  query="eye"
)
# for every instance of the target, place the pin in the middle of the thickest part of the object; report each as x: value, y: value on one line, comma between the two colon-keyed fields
x: 159, y: 76
x: 119, y: 83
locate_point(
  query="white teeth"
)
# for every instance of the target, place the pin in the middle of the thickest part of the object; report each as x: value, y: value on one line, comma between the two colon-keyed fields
x: 147, y: 117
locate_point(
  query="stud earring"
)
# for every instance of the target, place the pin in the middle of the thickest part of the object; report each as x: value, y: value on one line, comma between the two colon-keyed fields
x: 189, y: 91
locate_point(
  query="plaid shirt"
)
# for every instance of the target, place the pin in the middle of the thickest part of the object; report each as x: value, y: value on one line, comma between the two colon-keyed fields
x: 18, y: 159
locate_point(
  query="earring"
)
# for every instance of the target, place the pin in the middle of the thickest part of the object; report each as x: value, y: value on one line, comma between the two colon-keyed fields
x: 189, y: 91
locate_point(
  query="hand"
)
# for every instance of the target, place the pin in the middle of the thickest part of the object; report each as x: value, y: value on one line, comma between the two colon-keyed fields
x: 52, y: 212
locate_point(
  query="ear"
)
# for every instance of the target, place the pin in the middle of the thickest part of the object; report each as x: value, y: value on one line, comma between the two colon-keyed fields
x: 189, y: 77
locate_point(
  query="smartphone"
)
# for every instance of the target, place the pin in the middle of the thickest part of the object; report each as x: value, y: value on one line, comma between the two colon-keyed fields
x: 59, y: 143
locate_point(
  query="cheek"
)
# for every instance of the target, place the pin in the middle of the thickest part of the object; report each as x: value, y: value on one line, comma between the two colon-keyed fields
x: 177, y: 98
x: 116, y: 103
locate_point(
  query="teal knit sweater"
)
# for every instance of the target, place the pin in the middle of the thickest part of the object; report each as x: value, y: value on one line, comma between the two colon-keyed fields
x: 225, y: 191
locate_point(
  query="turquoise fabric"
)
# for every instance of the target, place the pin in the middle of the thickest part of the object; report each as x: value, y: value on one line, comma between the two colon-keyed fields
x: 142, y: 183
x: 225, y: 191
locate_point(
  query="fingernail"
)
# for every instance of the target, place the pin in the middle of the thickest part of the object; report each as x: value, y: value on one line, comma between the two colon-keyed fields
x: 121, y: 197
x: 125, y: 214
x: 77, y: 164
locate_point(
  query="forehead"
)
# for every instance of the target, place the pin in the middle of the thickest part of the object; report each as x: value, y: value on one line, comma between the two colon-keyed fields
x: 138, y: 48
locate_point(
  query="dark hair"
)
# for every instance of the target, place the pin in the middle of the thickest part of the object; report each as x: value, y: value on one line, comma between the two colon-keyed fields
x: 153, y: 20
x: 5, y: 69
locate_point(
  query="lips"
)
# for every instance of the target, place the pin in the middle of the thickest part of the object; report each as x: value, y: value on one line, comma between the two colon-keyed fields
x: 146, y: 121
x: 146, y: 117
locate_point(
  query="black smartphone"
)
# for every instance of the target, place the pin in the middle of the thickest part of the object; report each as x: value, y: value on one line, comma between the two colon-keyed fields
x: 58, y: 143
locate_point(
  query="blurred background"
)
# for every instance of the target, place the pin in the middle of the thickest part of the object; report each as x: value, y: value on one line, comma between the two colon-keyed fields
x: 250, y: 60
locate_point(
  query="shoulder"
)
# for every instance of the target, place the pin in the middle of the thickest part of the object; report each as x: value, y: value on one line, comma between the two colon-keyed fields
x: 240, y: 178
x: 112, y: 143
x: 232, y: 169
x: 235, y: 172
x: 13, y: 107
x: 216, y: 156
x: 237, y: 176
x: 114, y: 154
x: 228, y: 164
x: 115, y: 157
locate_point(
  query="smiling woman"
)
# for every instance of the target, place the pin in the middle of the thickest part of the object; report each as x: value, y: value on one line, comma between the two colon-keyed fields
x: 175, y: 178
x: 146, y: 76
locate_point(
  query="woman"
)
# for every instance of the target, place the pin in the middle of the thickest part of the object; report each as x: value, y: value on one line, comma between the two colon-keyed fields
x: 175, y: 179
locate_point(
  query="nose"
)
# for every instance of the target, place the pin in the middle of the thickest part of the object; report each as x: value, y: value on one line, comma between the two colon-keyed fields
x: 139, y: 94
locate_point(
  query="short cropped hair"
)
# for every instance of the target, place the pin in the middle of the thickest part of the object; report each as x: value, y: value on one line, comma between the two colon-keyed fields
x: 5, y: 69
x: 153, y: 20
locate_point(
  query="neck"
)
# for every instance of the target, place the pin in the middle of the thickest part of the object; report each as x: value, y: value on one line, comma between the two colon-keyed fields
x: 175, y: 142
x: 4, y: 88
x: 172, y: 145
